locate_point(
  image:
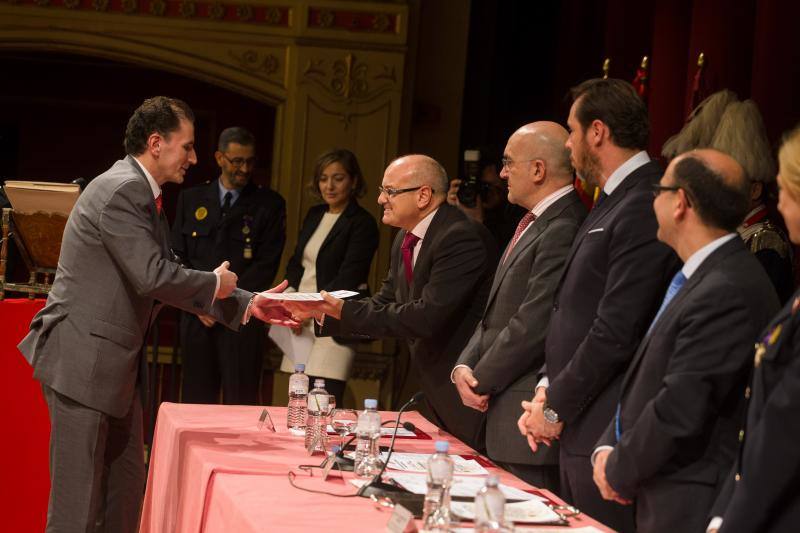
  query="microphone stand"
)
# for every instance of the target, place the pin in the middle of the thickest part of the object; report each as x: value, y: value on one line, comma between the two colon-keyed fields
x: 377, y: 487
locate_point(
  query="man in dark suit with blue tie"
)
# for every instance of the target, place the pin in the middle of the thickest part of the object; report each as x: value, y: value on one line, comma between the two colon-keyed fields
x: 674, y: 435
x: 615, y: 276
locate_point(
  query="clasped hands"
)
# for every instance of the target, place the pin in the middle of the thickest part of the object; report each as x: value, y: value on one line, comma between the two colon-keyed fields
x: 533, y: 425
x: 465, y: 384
x: 264, y: 309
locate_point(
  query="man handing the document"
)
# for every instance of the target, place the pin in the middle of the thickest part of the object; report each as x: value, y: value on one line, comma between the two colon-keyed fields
x: 85, y: 346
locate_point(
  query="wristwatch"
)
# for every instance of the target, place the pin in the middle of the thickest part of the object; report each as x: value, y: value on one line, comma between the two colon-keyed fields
x: 550, y: 414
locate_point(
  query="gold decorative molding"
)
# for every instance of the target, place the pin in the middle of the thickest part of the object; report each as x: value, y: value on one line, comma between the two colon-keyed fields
x: 276, y: 16
x: 348, y: 80
x: 353, y: 21
x: 255, y: 62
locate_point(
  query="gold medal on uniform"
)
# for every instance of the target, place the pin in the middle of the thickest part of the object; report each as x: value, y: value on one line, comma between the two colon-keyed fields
x: 201, y: 213
x: 760, y: 351
x: 248, y: 252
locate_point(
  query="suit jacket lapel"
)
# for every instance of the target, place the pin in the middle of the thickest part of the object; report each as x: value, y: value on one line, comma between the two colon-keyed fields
x: 675, y: 304
x: 439, y: 220
x: 340, y: 223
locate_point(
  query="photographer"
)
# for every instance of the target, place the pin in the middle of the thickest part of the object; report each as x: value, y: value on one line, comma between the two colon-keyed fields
x: 487, y: 199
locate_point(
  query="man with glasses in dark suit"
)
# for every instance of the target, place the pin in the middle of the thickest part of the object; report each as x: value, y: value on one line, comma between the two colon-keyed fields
x: 228, y: 219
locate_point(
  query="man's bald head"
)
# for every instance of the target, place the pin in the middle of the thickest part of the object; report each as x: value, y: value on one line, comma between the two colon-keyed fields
x: 716, y: 185
x: 546, y: 140
x: 418, y: 169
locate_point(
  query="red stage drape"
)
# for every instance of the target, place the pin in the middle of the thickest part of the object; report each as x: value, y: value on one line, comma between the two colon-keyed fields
x: 26, y: 427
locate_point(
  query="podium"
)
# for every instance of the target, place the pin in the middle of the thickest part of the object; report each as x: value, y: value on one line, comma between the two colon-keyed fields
x: 36, y: 225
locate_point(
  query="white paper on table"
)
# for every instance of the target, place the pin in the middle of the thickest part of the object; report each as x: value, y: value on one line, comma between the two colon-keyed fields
x: 418, y: 462
x: 385, y: 432
x: 305, y: 296
x: 466, y: 487
x: 527, y: 512
x: 295, y: 347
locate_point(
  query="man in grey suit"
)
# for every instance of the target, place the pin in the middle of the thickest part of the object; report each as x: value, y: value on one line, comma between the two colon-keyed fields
x: 498, y: 368
x: 85, y: 345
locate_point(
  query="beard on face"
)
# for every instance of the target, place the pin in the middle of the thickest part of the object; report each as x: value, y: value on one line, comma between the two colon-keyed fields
x: 588, y: 166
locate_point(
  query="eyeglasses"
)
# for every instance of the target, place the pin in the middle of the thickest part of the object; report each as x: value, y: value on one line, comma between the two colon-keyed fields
x: 507, y: 162
x: 389, y: 191
x: 239, y: 162
x: 658, y: 189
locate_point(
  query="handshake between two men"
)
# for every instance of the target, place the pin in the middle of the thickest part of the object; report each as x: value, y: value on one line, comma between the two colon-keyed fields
x: 278, y: 312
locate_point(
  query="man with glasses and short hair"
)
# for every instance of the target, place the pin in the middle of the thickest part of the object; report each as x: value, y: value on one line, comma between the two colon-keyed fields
x: 228, y: 219
x: 673, y: 437
x: 433, y: 296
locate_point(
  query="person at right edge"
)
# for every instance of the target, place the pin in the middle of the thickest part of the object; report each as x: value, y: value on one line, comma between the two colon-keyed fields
x: 760, y: 493
x: 615, y: 277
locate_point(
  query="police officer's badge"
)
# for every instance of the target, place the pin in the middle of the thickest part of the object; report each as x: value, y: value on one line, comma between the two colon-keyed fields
x: 201, y: 213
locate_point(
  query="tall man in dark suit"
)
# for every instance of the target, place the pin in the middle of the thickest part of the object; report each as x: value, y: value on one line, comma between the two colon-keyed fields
x: 673, y: 437
x: 615, y: 276
x: 85, y: 345
x: 232, y: 219
x: 435, y: 291
x: 499, y: 366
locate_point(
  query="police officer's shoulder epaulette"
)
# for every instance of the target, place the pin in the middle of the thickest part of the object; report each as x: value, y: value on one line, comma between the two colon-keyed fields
x: 769, y: 237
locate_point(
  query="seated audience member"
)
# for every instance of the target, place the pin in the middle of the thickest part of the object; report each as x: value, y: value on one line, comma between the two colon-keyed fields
x: 498, y: 368
x: 434, y: 293
x: 673, y: 437
x: 334, y: 252
x: 761, y: 493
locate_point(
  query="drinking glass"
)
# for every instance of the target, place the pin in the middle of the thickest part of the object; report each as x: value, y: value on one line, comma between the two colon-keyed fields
x: 344, y: 421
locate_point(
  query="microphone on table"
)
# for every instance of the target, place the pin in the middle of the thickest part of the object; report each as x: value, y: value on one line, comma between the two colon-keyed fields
x: 375, y: 486
x: 80, y: 182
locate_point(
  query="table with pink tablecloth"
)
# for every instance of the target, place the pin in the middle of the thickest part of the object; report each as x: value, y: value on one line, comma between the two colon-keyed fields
x: 213, y: 470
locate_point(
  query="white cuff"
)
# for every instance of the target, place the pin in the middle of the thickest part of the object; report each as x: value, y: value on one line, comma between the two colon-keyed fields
x: 715, y: 523
x: 321, y: 321
x: 248, y: 311
x: 598, y: 450
x: 453, y: 372
x: 544, y: 382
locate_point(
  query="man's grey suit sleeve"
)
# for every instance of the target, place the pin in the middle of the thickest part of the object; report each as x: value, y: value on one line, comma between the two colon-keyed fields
x: 471, y: 352
x: 128, y: 237
x: 515, y: 349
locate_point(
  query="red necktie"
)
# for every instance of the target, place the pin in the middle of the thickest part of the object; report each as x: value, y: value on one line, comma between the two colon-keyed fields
x: 407, y: 248
x: 524, y: 223
x: 158, y: 204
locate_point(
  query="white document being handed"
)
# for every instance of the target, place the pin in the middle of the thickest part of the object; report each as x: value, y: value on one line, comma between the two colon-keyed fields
x: 305, y: 296
x: 295, y: 347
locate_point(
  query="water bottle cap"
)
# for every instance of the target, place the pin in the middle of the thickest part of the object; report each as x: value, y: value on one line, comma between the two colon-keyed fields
x: 319, y: 383
x: 442, y: 446
x: 369, y: 403
x: 336, y: 449
x: 299, y: 367
x: 492, y: 481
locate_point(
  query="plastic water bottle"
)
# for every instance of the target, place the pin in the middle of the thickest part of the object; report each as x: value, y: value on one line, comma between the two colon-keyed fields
x: 317, y: 420
x: 298, y: 391
x: 490, y: 506
x: 436, y: 512
x: 368, y: 433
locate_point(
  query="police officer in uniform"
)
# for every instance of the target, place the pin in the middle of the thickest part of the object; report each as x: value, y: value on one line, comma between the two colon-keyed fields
x: 228, y: 219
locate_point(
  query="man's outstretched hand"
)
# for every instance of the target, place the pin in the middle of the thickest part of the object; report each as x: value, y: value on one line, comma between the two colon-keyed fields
x: 272, y: 311
x: 329, y: 305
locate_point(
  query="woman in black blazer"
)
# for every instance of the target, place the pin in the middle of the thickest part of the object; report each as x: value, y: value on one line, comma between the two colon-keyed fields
x: 334, y: 251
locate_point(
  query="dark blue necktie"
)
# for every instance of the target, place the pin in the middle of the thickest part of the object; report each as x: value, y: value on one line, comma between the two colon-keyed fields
x: 675, y: 285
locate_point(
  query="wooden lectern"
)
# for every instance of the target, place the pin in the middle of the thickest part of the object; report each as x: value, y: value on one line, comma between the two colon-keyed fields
x: 36, y: 224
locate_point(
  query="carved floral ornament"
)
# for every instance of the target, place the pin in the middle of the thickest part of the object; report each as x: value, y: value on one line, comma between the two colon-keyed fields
x: 263, y: 64
x: 278, y: 16
x: 349, y: 80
